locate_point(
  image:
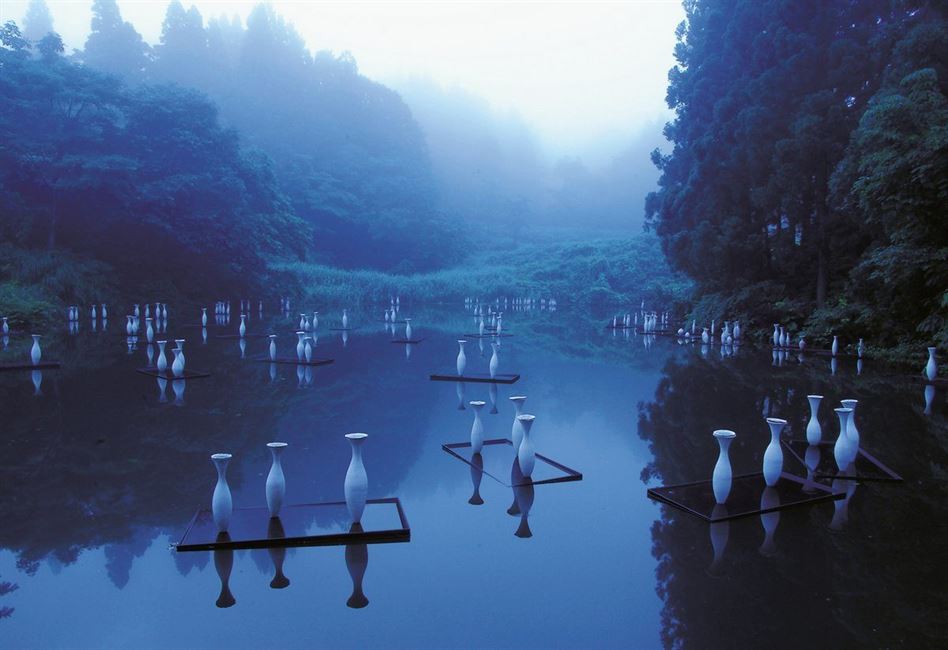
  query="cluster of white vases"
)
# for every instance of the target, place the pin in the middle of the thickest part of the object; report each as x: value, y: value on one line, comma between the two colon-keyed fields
x: 519, y: 434
x: 722, y: 477
x: 355, y: 488
x: 493, y: 364
x: 518, y: 304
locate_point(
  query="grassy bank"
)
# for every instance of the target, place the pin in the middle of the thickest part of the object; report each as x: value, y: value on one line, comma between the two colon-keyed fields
x: 600, y: 275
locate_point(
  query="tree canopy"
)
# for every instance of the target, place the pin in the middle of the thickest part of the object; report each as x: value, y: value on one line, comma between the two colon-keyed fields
x: 779, y: 108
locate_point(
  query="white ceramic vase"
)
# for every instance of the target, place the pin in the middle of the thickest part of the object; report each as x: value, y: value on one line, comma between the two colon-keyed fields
x: 494, y: 361
x: 844, y: 451
x: 477, y: 428
x: 516, y: 431
x: 273, y: 347
x: 276, y: 482
x: 931, y: 368
x: 851, y: 429
x: 357, y: 482
x: 462, y: 358
x: 773, y: 455
x: 177, y: 366
x: 721, y: 477
x: 162, y: 363
x: 525, y: 453
x: 36, y: 354
x: 814, y: 432
x: 222, y: 506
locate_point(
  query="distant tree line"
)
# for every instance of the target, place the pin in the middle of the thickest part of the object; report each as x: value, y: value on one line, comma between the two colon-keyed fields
x: 809, y: 175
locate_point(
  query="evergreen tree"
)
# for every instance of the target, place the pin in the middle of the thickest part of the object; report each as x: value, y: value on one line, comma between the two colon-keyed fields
x: 113, y: 45
x: 37, y: 22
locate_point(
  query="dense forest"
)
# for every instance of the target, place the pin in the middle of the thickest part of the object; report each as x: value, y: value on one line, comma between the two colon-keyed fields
x: 226, y: 154
x: 809, y: 175
x: 805, y: 182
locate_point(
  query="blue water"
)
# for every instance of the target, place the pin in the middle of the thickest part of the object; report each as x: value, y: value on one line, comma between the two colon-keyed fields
x: 101, y: 476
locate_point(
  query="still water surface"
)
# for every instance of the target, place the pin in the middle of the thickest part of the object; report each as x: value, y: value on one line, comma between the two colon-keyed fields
x: 102, y: 473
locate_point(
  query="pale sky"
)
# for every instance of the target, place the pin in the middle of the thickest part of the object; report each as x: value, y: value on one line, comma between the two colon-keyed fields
x: 580, y: 73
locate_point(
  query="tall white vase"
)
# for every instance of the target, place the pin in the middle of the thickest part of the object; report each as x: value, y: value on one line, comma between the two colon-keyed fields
x: 776, y: 335
x: 844, y: 451
x: 149, y: 331
x: 931, y: 368
x: 516, y: 431
x: 36, y: 354
x: 835, y: 347
x: 494, y: 361
x: 860, y: 348
x: 737, y: 330
x: 222, y: 506
x: 203, y: 316
x: 300, y: 345
x: 273, y: 347
x: 357, y: 482
x: 408, y: 328
x: 814, y: 432
x: 721, y: 477
x: 477, y: 429
x: 303, y: 322
x: 162, y: 363
x: 243, y: 325
x: 773, y: 455
x: 345, y: 319
x: 462, y: 358
x: 526, y: 454
x: 851, y: 429
x: 177, y: 366
x: 104, y: 312
x: 308, y: 349
x: 276, y: 482
x: 180, y: 344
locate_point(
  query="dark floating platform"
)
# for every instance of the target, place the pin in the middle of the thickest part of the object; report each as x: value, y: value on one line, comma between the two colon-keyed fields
x: 480, y: 377
x: 487, y: 335
x: 167, y: 374
x: 343, y: 329
x: 866, y: 467
x: 498, y: 459
x: 42, y: 365
x: 312, y: 524
x: 408, y: 340
x: 294, y: 361
x: 238, y: 336
x: 747, y: 496
x: 396, y: 322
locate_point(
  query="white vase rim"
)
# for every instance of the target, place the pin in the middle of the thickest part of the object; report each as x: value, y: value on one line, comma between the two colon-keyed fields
x: 526, y: 418
x: 517, y: 398
x: 36, y: 336
x: 477, y: 403
x: 724, y: 433
x: 776, y: 421
x: 849, y: 403
x: 221, y: 456
x: 933, y: 349
x: 843, y: 410
x: 357, y: 436
x: 165, y: 341
x: 815, y: 396
x: 179, y: 340
x: 462, y: 341
x: 272, y: 336
x: 275, y: 445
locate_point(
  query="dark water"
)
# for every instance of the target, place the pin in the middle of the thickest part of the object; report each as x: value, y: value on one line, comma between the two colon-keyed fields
x: 101, y: 473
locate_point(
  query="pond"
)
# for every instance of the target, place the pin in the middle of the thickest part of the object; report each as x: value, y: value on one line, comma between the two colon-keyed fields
x: 103, y: 470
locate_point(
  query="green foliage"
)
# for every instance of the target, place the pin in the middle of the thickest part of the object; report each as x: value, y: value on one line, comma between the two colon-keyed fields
x: 809, y: 173
x: 601, y: 276
x: 144, y: 179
